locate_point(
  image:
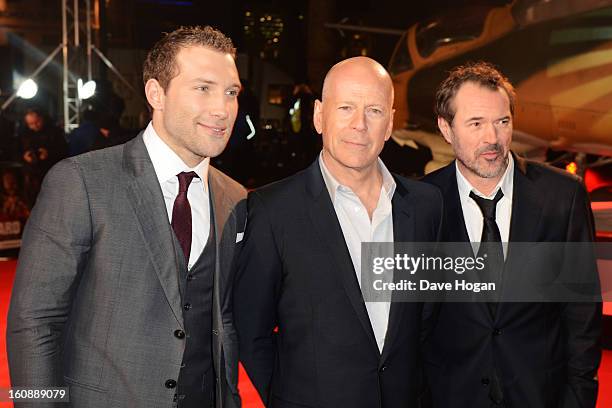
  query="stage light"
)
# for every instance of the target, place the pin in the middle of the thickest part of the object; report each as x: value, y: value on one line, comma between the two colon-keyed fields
x: 251, y: 127
x: 86, y: 90
x: 27, y: 89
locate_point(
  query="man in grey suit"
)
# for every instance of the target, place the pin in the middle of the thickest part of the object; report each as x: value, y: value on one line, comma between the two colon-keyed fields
x: 123, y: 287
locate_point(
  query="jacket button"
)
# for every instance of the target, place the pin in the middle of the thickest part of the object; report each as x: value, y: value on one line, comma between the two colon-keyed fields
x: 497, y: 332
x: 485, y: 381
x: 179, y: 334
x: 170, y: 384
x: 383, y: 368
x: 189, y: 277
x: 187, y: 306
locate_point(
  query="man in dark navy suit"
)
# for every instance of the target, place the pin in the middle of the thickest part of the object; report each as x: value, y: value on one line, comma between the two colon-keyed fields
x: 507, y: 354
x: 300, y: 266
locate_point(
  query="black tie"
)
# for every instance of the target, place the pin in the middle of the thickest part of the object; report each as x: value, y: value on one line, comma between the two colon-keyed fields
x: 181, y: 213
x: 490, y: 244
x: 490, y: 231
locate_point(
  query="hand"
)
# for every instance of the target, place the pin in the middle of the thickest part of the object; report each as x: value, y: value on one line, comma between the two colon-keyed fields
x: 43, y: 154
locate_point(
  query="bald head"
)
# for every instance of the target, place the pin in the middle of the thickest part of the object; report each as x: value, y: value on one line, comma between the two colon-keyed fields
x: 355, y: 115
x: 358, y: 69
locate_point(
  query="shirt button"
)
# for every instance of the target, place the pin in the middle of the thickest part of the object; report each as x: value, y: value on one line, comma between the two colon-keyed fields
x: 179, y: 334
x: 189, y: 266
x: 170, y: 384
x: 497, y: 332
x: 187, y: 306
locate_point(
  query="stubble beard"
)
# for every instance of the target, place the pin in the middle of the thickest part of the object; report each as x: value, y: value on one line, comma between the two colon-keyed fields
x: 484, y: 170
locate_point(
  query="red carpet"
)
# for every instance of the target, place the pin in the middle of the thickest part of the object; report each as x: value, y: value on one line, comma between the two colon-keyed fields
x: 249, y: 395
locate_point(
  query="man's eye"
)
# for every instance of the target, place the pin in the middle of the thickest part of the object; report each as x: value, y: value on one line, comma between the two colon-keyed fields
x: 504, y: 122
x: 202, y: 88
x: 232, y: 92
x: 475, y: 124
x: 376, y: 111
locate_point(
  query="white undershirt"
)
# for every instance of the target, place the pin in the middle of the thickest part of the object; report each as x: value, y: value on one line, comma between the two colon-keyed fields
x: 357, y: 228
x: 167, y: 165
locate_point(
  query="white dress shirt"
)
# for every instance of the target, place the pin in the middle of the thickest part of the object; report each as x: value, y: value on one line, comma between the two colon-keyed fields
x: 167, y: 166
x: 472, y: 214
x: 357, y: 228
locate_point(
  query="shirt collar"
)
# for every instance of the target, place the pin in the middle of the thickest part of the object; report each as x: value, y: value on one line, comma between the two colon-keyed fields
x: 333, y: 185
x: 505, y: 183
x: 166, y: 162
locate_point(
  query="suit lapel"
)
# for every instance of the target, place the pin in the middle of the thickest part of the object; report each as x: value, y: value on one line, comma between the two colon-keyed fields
x: 456, y: 230
x: 146, y: 198
x: 403, y: 231
x: 527, y: 204
x: 225, y: 234
x: 454, y: 222
x: 327, y: 226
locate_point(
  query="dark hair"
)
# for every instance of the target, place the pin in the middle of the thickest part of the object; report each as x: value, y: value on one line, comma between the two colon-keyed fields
x: 160, y: 63
x: 481, y: 73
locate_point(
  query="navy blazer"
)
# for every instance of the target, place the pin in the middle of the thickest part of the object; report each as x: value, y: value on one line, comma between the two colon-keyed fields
x: 295, y: 273
x: 546, y: 354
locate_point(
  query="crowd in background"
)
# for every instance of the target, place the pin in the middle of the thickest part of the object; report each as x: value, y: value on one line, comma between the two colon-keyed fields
x: 256, y: 154
x: 30, y: 147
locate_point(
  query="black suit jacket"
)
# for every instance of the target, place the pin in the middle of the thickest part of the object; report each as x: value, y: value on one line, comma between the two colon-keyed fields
x: 296, y: 273
x: 546, y: 354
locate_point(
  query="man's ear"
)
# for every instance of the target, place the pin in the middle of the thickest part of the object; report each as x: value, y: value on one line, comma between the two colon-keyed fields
x: 317, y: 117
x: 445, y: 129
x: 155, y: 94
x: 390, y: 127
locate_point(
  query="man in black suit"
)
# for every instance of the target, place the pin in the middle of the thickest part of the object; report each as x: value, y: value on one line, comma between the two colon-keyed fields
x: 307, y: 338
x: 507, y: 354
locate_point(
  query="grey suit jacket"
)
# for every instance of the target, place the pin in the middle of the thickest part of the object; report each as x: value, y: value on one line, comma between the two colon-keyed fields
x: 96, y: 299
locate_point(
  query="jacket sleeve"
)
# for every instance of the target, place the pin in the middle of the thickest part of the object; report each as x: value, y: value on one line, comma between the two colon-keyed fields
x: 54, y: 250
x: 582, y: 320
x: 256, y: 292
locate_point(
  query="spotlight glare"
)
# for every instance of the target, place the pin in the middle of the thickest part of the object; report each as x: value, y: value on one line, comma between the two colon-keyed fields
x: 28, y: 89
x: 86, y: 90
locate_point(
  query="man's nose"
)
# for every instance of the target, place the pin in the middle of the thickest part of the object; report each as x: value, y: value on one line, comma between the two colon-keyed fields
x: 358, y: 121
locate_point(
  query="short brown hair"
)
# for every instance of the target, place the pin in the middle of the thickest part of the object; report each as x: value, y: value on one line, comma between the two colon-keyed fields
x: 160, y: 63
x: 481, y: 73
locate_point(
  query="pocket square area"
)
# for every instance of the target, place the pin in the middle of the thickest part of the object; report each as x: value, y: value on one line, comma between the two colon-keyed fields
x: 239, y: 236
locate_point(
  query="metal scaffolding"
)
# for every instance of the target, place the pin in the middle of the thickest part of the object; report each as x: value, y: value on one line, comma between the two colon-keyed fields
x: 76, y: 57
x: 70, y: 45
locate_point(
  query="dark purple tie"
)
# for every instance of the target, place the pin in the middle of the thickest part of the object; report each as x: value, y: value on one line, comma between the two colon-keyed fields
x: 181, y: 213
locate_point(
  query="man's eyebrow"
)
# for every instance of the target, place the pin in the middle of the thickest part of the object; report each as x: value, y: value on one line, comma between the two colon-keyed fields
x: 474, y: 118
x: 211, y: 82
x: 204, y: 80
